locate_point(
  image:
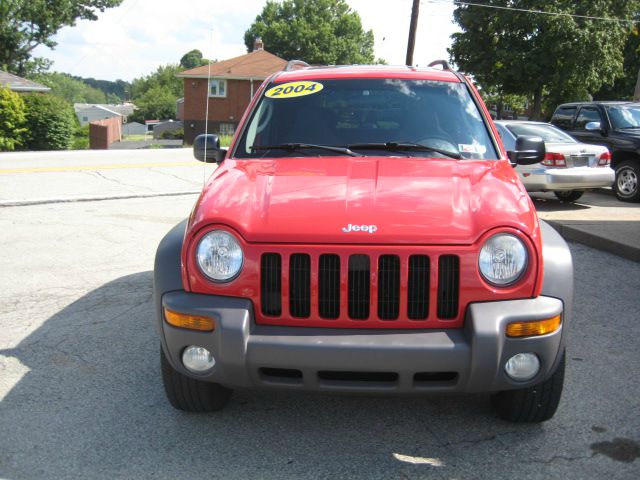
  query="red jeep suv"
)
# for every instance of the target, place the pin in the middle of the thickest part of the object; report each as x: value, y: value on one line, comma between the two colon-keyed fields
x: 365, y: 232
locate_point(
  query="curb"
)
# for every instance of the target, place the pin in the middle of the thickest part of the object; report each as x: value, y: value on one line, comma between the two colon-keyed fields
x: 97, y: 198
x: 574, y: 234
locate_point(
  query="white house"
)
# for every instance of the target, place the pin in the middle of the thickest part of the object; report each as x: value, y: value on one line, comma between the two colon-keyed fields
x: 89, y: 112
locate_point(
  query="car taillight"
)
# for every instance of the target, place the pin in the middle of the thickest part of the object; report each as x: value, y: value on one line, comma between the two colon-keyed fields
x: 554, y: 160
x: 605, y: 159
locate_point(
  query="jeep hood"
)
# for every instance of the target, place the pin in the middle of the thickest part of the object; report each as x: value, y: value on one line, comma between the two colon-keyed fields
x: 400, y: 200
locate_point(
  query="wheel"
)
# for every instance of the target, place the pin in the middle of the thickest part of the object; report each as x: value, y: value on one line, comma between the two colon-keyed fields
x: 533, y: 404
x: 626, y: 184
x: 568, y: 195
x: 190, y: 395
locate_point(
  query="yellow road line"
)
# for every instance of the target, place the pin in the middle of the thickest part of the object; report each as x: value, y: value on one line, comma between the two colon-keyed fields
x: 113, y: 166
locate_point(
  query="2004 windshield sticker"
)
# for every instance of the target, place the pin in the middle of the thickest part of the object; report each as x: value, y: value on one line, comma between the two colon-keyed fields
x: 294, y: 89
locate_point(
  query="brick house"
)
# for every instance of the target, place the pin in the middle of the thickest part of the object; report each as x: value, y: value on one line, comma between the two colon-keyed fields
x: 233, y: 83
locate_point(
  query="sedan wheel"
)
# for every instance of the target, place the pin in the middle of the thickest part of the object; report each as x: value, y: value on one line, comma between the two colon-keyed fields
x: 569, y: 195
x: 626, y: 184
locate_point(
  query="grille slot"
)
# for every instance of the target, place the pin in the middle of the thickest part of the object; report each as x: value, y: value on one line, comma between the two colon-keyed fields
x: 329, y: 288
x: 359, y: 286
x: 431, y: 378
x: 418, y: 294
x: 271, y: 284
x: 448, y: 286
x: 300, y: 285
x: 375, y: 377
x: 388, y: 287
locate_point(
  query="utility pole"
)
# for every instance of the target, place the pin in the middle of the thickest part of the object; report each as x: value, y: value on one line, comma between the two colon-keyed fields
x: 412, y: 31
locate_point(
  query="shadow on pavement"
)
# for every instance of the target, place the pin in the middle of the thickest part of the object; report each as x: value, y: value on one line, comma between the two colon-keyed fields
x: 92, y: 405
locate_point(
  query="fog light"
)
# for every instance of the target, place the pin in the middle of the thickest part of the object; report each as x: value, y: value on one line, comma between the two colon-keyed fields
x: 523, y: 366
x: 197, y: 359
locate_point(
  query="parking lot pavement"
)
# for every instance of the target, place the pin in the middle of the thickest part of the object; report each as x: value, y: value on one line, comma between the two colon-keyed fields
x: 597, y: 219
x: 81, y: 395
x: 42, y: 177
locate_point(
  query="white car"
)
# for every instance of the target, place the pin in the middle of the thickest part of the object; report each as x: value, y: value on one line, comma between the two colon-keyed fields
x: 569, y: 167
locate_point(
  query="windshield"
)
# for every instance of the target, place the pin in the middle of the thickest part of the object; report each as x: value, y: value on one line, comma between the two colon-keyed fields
x: 549, y: 133
x: 370, y: 116
x: 627, y: 116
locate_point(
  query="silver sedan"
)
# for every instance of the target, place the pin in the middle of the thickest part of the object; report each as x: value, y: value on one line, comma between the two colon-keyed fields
x: 569, y: 167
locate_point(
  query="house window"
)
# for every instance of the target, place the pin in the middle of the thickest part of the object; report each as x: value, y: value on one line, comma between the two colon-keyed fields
x: 218, y: 88
x: 227, y: 128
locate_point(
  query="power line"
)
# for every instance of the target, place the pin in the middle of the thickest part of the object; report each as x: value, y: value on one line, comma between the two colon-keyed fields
x: 542, y: 12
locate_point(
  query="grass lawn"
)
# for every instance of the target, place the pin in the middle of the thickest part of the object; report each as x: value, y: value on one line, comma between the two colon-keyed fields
x: 137, y: 138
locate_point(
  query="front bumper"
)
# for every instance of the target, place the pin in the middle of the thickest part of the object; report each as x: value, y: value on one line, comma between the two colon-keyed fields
x: 577, y: 178
x: 470, y: 359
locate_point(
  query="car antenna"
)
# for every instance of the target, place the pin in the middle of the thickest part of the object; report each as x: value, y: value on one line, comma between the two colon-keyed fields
x: 206, y: 114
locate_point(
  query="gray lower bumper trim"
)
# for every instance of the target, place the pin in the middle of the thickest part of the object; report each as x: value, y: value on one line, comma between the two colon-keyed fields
x: 403, y: 361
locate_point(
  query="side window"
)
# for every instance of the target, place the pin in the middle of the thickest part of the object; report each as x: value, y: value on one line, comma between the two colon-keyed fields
x: 586, y: 115
x: 563, y: 116
x: 507, y: 140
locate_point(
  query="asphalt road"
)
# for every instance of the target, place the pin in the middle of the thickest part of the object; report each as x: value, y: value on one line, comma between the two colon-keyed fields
x: 81, y: 396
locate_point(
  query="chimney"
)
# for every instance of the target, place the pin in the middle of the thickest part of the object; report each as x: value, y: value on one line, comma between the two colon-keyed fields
x: 258, y: 44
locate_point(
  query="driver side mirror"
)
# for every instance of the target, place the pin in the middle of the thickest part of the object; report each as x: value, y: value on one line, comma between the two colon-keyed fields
x: 529, y: 150
x: 210, y: 143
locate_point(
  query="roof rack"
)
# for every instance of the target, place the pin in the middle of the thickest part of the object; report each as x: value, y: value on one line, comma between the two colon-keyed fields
x: 443, y: 63
x: 291, y: 64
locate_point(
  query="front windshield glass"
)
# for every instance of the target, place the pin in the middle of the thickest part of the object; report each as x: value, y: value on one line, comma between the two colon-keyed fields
x: 625, y: 116
x: 549, y: 133
x: 357, y: 113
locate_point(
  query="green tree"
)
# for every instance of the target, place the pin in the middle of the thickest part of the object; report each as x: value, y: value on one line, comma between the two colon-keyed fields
x: 193, y: 59
x: 12, y: 120
x: 623, y: 87
x: 325, y: 32
x: 550, y: 58
x: 71, y: 89
x: 157, y: 103
x: 25, y: 24
x: 116, y: 91
x: 155, y: 95
x: 50, y: 121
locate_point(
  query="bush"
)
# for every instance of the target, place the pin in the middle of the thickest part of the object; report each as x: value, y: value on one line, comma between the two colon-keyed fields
x: 81, y: 138
x: 12, y: 119
x: 172, y: 134
x: 51, y: 123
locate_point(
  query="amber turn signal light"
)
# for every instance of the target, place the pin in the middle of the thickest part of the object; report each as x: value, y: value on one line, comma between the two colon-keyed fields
x: 192, y: 322
x: 530, y: 329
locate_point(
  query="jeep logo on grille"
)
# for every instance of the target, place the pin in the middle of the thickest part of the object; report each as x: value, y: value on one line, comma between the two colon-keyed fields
x: 360, y: 228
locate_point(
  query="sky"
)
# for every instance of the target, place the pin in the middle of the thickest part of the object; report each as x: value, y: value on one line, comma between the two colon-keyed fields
x: 133, y: 39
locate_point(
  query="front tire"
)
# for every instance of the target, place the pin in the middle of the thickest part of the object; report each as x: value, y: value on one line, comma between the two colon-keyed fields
x: 533, y: 404
x: 626, y: 184
x: 568, y: 195
x: 190, y: 395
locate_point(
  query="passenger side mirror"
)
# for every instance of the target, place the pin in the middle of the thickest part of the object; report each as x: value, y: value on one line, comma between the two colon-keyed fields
x: 594, y: 127
x: 529, y: 150
x: 214, y: 154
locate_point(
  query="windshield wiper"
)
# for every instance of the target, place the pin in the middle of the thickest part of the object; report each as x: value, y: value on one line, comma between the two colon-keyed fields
x: 406, y: 147
x: 291, y: 147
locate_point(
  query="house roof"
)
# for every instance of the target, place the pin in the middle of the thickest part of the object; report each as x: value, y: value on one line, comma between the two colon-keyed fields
x: 122, y: 109
x: 258, y: 65
x: 19, y: 84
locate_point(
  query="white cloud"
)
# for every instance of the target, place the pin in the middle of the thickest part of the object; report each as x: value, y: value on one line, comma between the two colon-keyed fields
x: 135, y: 38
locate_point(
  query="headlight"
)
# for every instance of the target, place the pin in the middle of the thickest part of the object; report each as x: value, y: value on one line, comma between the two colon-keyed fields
x: 219, y: 256
x: 503, y: 259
